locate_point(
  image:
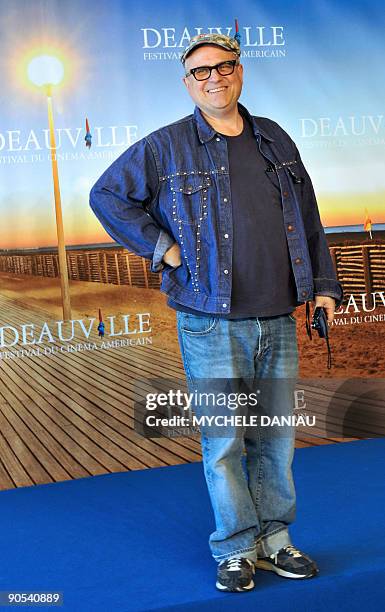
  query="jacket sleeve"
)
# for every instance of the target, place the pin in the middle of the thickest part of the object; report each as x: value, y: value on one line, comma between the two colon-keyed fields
x: 120, y: 198
x: 324, y: 274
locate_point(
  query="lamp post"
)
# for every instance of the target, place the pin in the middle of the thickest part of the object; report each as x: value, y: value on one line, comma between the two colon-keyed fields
x: 46, y: 71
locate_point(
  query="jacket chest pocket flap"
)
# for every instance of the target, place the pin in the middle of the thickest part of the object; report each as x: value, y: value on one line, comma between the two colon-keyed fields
x: 190, y: 195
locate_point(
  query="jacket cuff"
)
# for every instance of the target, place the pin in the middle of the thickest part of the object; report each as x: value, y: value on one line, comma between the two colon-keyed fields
x: 165, y: 241
x: 329, y: 287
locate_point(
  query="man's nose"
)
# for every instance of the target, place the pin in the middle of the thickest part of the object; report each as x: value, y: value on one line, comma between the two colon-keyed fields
x: 215, y: 76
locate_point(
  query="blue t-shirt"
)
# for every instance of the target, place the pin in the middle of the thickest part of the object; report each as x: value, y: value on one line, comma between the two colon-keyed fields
x: 263, y: 283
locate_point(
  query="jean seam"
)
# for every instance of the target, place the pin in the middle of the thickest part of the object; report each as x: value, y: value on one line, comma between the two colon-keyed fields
x: 234, y: 553
x: 260, y: 337
x: 260, y: 474
x: 264, y: 346
x: 208, y: 470
x: 184, y: 357
x: 268, y: 535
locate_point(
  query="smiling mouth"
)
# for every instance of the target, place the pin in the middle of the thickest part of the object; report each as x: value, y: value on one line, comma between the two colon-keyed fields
x: 216, y: 90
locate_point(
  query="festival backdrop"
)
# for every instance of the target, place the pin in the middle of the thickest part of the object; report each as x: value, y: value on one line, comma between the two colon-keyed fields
x: 68, y: 392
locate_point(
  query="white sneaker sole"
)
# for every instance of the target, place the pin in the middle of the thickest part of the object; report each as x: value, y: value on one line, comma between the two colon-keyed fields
x: 272, y: 568
x: 223, y: 587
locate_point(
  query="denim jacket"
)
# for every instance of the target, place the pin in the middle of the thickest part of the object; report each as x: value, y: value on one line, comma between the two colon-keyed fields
x: 174, y: 186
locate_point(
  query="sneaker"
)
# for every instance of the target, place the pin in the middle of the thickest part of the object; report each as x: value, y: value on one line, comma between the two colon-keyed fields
x: 289, y: 562
x: 235, y: 575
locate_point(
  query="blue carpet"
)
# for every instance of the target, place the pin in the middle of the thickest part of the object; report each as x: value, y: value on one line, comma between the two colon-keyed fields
x: 138, y: 541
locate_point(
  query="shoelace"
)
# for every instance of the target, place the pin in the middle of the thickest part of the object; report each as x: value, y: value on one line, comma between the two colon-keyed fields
x: 290, y: 549
x: 293, y: 551
x: 235, y: 563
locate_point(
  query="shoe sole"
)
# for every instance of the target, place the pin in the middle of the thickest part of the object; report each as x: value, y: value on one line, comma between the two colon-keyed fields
x: 264, y: 565
x: 223, y: 587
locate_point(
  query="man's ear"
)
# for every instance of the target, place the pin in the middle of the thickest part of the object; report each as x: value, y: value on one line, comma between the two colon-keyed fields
x: 186, y: 81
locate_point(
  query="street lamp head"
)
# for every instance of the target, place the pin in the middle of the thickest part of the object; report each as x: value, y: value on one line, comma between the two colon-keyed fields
x: 45, y: 71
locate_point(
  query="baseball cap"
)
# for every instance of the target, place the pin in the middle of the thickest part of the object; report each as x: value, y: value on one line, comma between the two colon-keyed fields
x: 220, y: 40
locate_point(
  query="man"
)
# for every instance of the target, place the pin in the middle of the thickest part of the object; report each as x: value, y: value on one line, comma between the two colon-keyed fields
x: 222, y: 204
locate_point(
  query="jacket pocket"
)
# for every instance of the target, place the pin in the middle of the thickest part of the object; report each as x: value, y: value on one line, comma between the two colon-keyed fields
x: 190, y: 195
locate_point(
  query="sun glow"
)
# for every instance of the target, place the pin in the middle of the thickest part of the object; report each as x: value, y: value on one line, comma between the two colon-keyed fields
x: 45, y: 70
x: 44, y: 65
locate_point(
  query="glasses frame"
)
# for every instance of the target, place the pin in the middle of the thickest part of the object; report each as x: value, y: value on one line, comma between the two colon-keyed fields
x: 234, y: 62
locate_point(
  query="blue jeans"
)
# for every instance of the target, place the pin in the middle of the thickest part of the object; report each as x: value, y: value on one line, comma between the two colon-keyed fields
x: 253, y: 504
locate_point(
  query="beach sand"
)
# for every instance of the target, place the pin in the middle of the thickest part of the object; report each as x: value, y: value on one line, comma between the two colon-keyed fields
x: 358, y: 349
x: 347, y: 238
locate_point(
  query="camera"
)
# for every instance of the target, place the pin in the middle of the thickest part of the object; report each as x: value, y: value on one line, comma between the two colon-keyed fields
x: 319, y: 322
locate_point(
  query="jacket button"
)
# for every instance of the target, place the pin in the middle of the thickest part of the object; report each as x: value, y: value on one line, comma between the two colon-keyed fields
x: 290, y: 228
x: 298, y: 260
x: 225, y: 271
x: 224, y: 305
x: 226, y: 235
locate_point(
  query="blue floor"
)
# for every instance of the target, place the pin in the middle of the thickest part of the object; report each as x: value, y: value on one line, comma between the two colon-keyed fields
x: 138, y: 540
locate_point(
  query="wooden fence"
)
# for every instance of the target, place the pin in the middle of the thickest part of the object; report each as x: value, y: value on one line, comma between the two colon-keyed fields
x: 115, y: 266
x: 360, y: 268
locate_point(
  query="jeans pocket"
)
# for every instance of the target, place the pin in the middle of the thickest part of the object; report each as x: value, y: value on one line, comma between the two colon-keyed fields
x: 197, y: 325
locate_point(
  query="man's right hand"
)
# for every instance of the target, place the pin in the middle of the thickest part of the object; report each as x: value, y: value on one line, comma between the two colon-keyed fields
x: 172, y: 256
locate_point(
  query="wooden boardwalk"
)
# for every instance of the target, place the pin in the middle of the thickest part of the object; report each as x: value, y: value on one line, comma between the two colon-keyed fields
x: 71, y: 415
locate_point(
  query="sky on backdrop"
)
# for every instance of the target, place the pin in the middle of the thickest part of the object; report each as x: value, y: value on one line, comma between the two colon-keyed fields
x: 325, y: 86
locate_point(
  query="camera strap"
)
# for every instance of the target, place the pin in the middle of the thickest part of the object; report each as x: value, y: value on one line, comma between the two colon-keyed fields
x: 326, y: 335
x: 329, y: 353
x: 308, y: 325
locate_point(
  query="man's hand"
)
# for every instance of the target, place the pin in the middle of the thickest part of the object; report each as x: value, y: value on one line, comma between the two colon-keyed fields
x: 328, y: 303
x: 172, y: 256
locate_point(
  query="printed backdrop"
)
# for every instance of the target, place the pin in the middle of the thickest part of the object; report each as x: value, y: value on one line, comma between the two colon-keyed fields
x: 67, y: 394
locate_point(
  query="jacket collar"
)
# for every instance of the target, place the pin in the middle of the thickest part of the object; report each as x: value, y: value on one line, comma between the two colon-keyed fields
x: 206, y: 132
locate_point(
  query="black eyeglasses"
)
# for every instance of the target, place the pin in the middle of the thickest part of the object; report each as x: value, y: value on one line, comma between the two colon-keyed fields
x: 202, y: 73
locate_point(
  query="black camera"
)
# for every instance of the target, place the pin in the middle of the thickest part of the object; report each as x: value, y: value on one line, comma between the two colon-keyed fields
x: 319, y: 322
